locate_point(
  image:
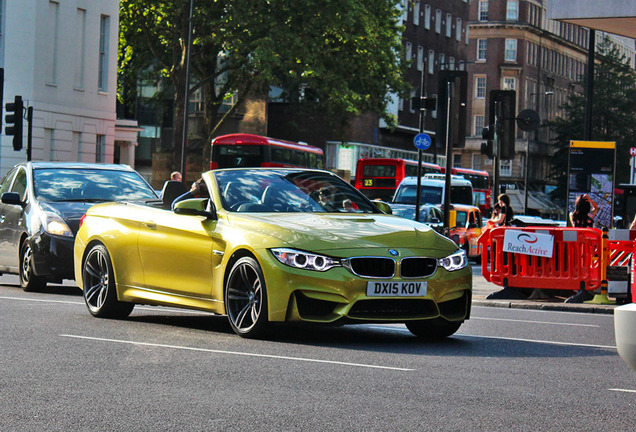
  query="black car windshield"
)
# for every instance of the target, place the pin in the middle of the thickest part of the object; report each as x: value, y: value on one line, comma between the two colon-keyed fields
x: 91, y: 185
x: 289, y: 191
x: 430, y: 194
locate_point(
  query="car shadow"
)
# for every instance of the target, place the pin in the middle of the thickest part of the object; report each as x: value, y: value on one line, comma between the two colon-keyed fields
x: 378, y: 338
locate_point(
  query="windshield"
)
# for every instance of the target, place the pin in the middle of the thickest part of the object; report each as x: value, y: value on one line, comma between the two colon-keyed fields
x: 289, y: 191
x: 430, y: 194
x: 91, y: 185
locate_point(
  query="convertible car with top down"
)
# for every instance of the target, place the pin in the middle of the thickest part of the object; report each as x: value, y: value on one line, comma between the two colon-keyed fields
x: 274, y: 245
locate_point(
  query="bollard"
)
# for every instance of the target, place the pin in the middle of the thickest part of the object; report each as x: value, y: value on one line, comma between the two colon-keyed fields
x: 605, y: 258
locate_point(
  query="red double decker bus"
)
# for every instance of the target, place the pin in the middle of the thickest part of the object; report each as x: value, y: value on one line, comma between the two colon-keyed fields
x: 380, y: 177
x: 247, y: 150
x: 481, y: 187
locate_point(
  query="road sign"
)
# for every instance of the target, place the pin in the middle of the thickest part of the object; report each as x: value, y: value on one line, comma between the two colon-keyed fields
x: 422, y: 141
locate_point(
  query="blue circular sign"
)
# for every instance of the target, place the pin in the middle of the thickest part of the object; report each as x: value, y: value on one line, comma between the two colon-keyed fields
x: 422, y: 141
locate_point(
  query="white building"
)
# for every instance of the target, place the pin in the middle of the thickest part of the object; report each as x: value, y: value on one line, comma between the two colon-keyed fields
x: 61, y: 57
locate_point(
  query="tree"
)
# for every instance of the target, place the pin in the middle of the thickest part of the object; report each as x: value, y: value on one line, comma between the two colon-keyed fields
x: 614, y: 114
x: 345, y: 55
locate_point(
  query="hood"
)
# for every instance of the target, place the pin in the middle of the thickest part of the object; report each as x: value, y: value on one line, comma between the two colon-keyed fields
x: 327, y: 232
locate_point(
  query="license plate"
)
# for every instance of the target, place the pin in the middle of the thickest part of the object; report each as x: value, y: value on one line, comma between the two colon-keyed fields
x: 396, y: 289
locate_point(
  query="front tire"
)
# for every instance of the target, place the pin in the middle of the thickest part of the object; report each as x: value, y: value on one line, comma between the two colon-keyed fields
x: 100, y: 293
x: 433, y: 329
x: 28, y: 280
x: 246, y: 299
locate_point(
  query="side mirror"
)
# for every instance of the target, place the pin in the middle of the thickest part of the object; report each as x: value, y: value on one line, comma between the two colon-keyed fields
x: 196, y: 207
x: 435, y: 221
x: 383, y: 207
x: 12, y: 198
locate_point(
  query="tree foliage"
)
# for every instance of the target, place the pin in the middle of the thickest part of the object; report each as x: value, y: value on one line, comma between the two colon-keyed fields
x: 613, y: 114
x: 344, y: 54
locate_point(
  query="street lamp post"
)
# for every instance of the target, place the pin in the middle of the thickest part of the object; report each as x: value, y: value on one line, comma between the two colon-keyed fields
x: 184, y: 138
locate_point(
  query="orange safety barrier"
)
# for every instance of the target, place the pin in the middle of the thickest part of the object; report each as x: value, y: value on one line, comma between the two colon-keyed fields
x: 621, y: 246
x: 576, y: 262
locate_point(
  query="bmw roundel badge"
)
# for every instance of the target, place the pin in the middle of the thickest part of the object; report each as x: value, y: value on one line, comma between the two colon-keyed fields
x: 393, y: 252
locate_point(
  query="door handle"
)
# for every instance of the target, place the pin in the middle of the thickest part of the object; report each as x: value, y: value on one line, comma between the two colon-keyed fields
x: 150, y: 224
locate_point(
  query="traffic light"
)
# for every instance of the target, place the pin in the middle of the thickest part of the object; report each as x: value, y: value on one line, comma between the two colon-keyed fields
x: 14, y: 119
x: 456, y: 82
x: 502, y: 113
x: 487, y: 147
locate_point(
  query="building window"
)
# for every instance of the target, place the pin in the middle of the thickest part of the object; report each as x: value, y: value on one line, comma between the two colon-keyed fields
x: 505, y: 168
x: 482, y: 47
x: 458, y: 30
x: 438, y: 21
x: 479, y: 125
x: 102, y: 74
x: 457, y: 161
x: 509, y: 83
x: 477, y: 161
x: 442, y: 61
x: 511, y: 49
x: 451, y: 63
x: 480, y: 87
x: 512, y: 10
x: 483, y: 10
x: 80, y: 54
x: 405, y: 8
x: 431, y: 61
x: 427, y: 17
x: 100, y: 149
x: 409, y: 51
x: 416, y: 13
x: 434, y: 113
x: 413, y: 97
x: 420, y: 58
x: 51, y: 42
x: 449, y: 25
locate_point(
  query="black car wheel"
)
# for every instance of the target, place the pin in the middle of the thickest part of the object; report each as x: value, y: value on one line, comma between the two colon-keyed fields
x: 433, y: 329
x: 100, y: 293
x: 28, y: 280
x: 246, y: 298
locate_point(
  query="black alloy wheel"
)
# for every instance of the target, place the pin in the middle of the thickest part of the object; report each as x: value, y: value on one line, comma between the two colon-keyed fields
x: 100, y: 293
x: 28, y: 280
x: 246, y: 298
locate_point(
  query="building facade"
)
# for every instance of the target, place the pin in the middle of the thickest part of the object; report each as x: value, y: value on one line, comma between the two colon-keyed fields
x: 61, y: 57
x: 513, y: 46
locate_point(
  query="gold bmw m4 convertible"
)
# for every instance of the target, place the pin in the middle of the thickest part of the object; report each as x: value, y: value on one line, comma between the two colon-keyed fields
x: 269, y: 246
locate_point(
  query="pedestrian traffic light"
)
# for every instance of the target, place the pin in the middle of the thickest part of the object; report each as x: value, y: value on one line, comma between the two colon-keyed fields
x: 502, y: 114
x: 487, y: 147
x: 14, y: 119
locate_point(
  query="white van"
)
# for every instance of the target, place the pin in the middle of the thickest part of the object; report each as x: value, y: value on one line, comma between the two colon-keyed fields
x: 432, y: 188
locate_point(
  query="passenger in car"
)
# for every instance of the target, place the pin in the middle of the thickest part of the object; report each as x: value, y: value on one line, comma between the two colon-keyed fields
x: 198, y: 190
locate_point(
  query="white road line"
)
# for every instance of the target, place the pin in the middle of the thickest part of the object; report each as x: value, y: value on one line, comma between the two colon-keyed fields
x: 236, y: 353
x: 41, y: 301
x: 508, y: 338
x: 623, y: 390
x: 534, y: 322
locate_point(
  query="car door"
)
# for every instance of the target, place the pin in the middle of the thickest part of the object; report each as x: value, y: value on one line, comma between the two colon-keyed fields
x: 11, y: 220
x: 5, y: 186
x: 178, y: 252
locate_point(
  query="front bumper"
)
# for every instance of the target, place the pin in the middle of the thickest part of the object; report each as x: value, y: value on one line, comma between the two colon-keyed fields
x: 52, y: 256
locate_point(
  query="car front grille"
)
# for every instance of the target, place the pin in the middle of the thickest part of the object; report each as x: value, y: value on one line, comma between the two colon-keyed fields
x: 380, y: 267
x: 418, y: 267
x: 393, y: 309
x: 372, y: 267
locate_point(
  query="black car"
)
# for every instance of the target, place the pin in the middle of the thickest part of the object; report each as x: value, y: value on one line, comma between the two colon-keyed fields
x: 42, y: 204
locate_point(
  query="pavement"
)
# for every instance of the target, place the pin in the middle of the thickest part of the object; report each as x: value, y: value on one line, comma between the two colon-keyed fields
x: 482, y: 289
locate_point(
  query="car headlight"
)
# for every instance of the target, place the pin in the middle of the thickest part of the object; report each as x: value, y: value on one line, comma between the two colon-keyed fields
x: 455, y: 261
x: 55, y: 225
x: 305, y: 260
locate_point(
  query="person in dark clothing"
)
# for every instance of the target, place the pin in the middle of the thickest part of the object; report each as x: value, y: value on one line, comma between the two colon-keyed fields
x: 584, y: 211
x: 505, y: 212
x: 198, y: 190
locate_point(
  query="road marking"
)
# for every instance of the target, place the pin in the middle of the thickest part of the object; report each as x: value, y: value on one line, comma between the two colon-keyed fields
x: 236, y: 353
x: 508, y: 338
x: 623, y: 390
x: 534, y: 322
x: 41, y: 301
